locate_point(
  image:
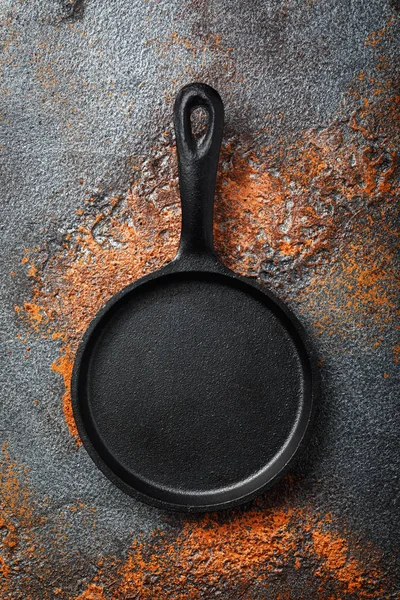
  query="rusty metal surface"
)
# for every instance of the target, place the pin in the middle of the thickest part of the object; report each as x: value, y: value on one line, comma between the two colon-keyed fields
x: 307, y: 202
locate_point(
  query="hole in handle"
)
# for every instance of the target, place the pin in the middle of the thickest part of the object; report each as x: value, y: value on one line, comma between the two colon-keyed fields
x: 199, y: 121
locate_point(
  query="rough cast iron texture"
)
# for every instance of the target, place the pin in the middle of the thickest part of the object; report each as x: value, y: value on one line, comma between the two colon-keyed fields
x: 306, y: 202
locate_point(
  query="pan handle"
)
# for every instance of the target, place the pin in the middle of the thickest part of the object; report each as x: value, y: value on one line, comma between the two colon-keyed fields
x: 197, y: 166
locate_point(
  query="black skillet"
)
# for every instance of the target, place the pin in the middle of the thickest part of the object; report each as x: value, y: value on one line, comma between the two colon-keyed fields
x: 193, y: 387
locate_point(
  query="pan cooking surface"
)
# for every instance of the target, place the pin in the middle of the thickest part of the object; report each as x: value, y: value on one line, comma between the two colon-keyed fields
x: 194, y: 386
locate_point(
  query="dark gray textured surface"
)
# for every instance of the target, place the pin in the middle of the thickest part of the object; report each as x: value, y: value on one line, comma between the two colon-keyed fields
x: 85, y: 87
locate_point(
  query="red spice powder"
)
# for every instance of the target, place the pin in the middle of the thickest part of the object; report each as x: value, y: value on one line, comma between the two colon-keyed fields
x: 17, y: 519
x: 63, y: 366
x: 360, y: 292
x: 244, y: 555
x: 34, y: 557
x: 396, y: 353
x: 376, y: 37
x: 93, y: 592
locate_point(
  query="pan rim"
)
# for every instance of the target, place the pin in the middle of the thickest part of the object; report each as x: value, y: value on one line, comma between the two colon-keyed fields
x: 299, y: 431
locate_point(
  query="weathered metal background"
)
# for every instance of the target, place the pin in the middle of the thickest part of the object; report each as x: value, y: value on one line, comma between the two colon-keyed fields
x: 306, y: 202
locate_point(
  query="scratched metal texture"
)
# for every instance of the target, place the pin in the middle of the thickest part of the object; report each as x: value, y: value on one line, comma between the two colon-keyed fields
x: 86, y: 91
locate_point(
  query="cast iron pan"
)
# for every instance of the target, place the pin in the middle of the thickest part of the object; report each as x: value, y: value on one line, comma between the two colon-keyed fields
x: 193, y: 387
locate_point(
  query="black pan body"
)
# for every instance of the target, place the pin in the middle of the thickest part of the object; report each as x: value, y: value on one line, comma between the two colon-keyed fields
x: 193, y: 388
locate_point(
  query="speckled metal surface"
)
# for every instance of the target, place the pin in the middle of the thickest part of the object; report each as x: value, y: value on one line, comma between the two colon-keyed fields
x: 306, y: 202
